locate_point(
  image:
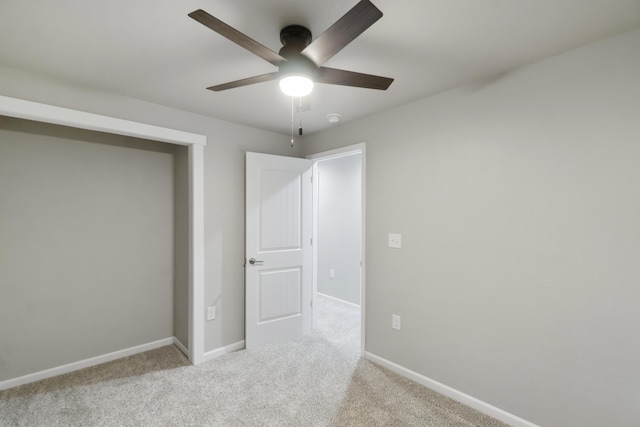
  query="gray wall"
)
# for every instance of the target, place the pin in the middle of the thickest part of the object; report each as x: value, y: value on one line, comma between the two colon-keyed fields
x: 86, y: 259
x: 517, y: 200
x: 224, y: 189
x: 339, y: 227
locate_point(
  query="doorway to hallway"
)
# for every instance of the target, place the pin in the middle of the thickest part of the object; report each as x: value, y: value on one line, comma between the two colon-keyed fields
x: 339, y: 323
x: 338, y: 235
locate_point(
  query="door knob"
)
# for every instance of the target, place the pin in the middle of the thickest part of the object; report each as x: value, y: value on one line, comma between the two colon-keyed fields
x: 253, y: 261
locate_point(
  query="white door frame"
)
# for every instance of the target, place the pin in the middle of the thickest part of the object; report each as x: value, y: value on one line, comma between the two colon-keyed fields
x: 19, y: 108
x: 332, y: 154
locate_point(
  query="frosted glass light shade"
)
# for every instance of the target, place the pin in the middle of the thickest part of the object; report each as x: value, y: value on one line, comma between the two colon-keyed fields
x: 296, y: 85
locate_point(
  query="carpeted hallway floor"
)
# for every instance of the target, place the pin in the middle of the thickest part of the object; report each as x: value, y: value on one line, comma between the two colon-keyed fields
x: 315, y: 380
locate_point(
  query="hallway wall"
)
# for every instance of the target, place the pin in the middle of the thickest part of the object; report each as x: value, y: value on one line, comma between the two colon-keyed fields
x: 339, y: 227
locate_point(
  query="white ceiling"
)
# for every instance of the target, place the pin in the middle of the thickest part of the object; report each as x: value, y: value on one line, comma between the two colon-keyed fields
x: 151, y: 50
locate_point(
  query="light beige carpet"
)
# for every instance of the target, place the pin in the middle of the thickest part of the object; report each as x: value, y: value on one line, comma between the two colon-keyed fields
x: 316, y: 380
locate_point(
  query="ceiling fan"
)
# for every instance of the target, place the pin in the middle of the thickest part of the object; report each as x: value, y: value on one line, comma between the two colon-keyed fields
x: 300, y: 60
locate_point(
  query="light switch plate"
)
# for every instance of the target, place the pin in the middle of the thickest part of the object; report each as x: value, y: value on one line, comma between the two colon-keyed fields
x: 395, y: 240
x: 396, y: 322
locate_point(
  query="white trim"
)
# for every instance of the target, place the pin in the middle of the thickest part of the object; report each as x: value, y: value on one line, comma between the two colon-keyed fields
x: 97, y: 360
x: 338, y: 152
x: 349, y: 150
x: 214, y: 354
x: 19, y: 108
x: 196, y: 254
x: 181, y: 346
x: 454, y: 394
x: 338, y: 300
x: 79, y: 119
x: 315, y: 193
x: 86, y: 363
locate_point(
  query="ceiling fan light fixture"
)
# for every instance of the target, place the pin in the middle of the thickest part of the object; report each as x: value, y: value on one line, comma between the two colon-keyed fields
x: 296, y: 85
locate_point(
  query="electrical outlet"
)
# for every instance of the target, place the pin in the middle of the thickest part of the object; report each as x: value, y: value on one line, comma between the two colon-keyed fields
x: 395, y: 240
x: 332, y: 274
x: 211, y: 312
x: 395, y: 322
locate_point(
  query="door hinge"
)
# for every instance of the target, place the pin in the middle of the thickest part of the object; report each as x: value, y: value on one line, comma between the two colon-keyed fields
x: 311, y: 241
x: 311, y: 303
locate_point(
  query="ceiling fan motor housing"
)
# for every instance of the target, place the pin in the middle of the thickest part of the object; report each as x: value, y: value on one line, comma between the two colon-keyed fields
x: 294, y: 39
x: 295, y: 35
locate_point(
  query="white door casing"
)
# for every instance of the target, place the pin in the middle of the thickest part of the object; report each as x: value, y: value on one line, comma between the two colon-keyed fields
x: 278, y: 273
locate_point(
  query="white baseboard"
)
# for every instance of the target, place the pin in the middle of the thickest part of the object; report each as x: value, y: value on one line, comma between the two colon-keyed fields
x: 74, y: 366
x: 213, y: 354
x: 181, y: 346
x: 338, y: 299
x: 454, y: 394
x: 86, y: 363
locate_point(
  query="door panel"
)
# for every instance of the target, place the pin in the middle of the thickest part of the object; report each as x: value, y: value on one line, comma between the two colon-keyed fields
x: 279, y: 213
x: 278, y: 239
x: 280, y: 292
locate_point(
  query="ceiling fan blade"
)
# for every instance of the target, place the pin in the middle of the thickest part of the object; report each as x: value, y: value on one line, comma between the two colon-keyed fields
x: 349, y: 78
x: 344, y: 31
x: 237, y: 37
x: 245, y: 82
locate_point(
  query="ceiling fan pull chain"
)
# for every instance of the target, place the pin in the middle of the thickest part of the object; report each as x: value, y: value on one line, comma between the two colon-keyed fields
x: 292, y: 119
x: 300, y: 114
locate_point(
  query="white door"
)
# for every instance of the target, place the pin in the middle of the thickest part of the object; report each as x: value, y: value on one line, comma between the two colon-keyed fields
x: 278, y: 274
